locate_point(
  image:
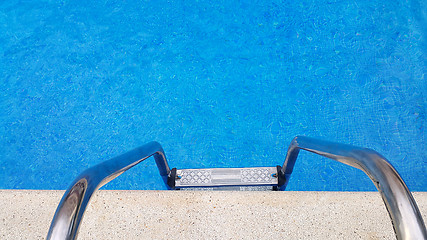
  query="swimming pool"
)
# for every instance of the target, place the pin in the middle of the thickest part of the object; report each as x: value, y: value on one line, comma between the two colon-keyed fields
x: 218, y: 84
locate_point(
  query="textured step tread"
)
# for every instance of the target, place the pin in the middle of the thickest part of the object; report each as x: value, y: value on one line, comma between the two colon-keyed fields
x: 216, y: 177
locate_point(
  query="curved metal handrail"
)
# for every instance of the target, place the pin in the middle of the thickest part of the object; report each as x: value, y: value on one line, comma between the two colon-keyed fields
x: 70, y: 211
x: 401, y: 206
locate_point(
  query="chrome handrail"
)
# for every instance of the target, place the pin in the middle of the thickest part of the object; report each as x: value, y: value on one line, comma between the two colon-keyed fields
x: 401, y: 206
x: 70, y: 211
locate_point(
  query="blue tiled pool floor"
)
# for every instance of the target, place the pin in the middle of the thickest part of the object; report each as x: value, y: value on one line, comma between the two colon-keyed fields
x: 217, y: 83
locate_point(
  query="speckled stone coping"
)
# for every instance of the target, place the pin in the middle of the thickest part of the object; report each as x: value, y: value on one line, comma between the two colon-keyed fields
x: 26, y: 214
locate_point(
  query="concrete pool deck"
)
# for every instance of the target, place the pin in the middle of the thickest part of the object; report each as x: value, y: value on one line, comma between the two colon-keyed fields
x: 26, y: 214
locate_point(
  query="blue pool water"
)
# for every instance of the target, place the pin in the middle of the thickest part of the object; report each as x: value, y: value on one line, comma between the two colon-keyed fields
x: 217, y: 83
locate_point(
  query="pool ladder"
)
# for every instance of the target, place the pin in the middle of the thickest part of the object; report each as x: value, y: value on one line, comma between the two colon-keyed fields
x: 404, y: 213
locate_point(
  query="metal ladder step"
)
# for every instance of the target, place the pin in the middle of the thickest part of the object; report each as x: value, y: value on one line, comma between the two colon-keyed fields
x: 244, y: 179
